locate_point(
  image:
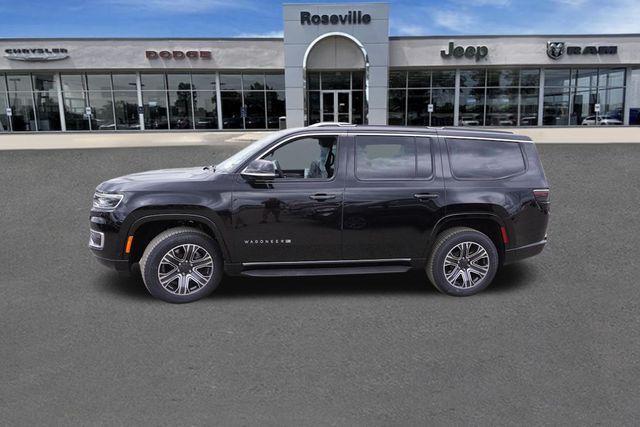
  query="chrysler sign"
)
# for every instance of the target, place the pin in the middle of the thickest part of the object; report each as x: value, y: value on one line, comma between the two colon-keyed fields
x: 36, y: 54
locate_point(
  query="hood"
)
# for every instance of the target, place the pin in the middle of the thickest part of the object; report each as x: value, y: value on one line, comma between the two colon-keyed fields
x: 156, y: 178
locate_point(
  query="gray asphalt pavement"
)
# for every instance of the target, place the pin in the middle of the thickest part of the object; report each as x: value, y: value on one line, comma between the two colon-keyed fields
x: 555, y: 340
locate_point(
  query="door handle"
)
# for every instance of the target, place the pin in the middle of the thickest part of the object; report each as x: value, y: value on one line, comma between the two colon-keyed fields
x: 424, y: 196
x: 322, y: 196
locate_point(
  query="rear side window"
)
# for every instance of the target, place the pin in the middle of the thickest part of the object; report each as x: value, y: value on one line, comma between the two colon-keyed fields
x: 392, y: 157
x: 483, y: 159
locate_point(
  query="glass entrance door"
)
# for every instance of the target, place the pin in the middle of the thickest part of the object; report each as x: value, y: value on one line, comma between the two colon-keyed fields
x: 336, y: 106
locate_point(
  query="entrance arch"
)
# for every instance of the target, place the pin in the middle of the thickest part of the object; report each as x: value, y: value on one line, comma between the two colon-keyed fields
x: 340, y: 52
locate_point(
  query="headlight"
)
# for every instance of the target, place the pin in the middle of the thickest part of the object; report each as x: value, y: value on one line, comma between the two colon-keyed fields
x: 106, y: 201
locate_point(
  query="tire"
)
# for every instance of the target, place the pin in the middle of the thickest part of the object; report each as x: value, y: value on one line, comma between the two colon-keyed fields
x: 178, y: 256
x: 450, y: 281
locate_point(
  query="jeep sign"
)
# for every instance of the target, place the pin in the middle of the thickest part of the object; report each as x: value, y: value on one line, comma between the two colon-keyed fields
x: 477, y: 52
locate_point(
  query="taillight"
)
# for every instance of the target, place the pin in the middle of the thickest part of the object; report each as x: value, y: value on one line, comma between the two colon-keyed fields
x: 541, y: 195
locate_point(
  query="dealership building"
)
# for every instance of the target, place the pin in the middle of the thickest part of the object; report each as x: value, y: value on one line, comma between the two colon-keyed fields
x: 336, y: 63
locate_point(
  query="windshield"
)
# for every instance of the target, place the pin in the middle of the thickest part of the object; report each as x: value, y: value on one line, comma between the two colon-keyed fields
x: 243, y: 155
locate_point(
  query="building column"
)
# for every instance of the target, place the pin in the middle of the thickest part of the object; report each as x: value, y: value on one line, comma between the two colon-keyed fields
x: 63, y: 123
x: 627, y: 96
x: 456, y: 99
x: 140, y: 104
x: 219, y: 101
x: 541, y: 98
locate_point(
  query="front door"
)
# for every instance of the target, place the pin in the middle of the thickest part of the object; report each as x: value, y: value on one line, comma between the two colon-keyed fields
x: 336, y: 106
x: 296, y: 216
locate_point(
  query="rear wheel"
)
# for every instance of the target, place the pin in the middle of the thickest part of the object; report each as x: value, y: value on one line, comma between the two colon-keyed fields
x: 181, y: 265
x: 463, y: 262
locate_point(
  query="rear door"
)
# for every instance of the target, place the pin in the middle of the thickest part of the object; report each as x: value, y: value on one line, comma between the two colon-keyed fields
x: 393, y: 197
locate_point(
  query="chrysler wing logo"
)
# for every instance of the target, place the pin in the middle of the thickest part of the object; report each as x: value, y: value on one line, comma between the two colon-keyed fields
x: 36, y: 54
x: 555, y: 49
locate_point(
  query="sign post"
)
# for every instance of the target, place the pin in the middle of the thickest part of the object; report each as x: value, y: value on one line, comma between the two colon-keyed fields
x: 596, y: 109
x: 430, y: 110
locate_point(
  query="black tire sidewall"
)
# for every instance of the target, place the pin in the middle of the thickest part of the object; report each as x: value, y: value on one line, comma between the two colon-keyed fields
x: 438, y: 261
x: 151, y: 268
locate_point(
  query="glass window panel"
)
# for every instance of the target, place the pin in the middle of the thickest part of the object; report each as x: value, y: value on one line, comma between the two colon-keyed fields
x: 313, y: 81
x: 155, y: 110
x: 586, y: 77
x: 47, y: 111
x: 336, y: 80
x: 179, y: 82
x: 23, y: 118
x: 274, y: 81
x: 18, y: 82
x: 502, y: 107
x: 230, y: 82
x: 472, y: 159
x: 124, y: 82
x: 4, y: 119
x: 398, y: 79
x: 127, y: 117
x: 357, y: 107
x: 528, y: 107
x: 557, y: 77
x: 471, y: 107
x: 384, y: 157
x: 45, y: 82
x: 417, y: 102
x: 254, y: 104
x: 612, y: 102
x: 611, y: 78
x: 502, y: 77
x: 633, y: 102
x: 180, y: 114
x: 443, y: 101
x: 443, y: 78
x: 275, y: 109
x: 397, y: 107
x: 73, y: 82
x: 153, y: 82
x: 74, y: 110
x: 308, y: 158
x: 357, y: 80
x: 205, y: 110
x: 3, y: 83
x: 203, y: 81
x: 100, y: 82
x: 101, y: 111
x: 584, y: 100
x: 253, y: 81
x: 472, y: 78
x: 530, y: 77
x: 314, y: 107
x: 419, y: 78
x: 231, y: 110
x: 556, y: 107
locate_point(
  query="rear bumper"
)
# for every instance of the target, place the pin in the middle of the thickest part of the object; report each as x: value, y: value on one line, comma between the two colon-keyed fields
x: 517, y: 254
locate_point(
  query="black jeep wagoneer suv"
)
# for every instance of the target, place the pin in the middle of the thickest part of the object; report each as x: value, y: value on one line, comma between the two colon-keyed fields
x: 331, y: 199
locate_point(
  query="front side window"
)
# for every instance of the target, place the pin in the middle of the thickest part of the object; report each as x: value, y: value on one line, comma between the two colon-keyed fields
x: 310, y: 157
x: 386, y: 157
x: 481, y: 159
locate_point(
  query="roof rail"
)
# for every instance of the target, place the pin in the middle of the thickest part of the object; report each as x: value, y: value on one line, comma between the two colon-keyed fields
x: 475, y: 129
x: 322, y: 124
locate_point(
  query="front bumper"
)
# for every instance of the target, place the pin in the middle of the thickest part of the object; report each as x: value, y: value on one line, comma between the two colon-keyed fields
x: 120, y: 265
x: 517, y: 254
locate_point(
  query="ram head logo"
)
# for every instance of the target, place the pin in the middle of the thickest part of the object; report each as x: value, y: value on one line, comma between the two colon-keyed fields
x: 555, y: 49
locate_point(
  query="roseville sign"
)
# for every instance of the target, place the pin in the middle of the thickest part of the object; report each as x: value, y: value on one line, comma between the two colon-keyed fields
x: 178, y: 54
x: 36, y: 54
x: 352, y: 17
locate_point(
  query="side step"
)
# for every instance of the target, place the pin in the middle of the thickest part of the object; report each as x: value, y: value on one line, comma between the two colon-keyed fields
x: 325, y: 271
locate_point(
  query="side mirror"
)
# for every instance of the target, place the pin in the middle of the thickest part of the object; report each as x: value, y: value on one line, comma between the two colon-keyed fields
x: 260, y: 169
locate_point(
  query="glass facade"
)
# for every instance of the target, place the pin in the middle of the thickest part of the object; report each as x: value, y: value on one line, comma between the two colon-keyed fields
x: 110, y: 101
x: 335, y: 96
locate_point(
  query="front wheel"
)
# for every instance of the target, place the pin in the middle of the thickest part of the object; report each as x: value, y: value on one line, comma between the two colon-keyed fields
x: 463, y: 262
x: 181, y: 264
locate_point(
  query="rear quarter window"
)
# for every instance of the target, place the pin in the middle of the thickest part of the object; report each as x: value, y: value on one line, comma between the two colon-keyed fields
x: 484, y: 159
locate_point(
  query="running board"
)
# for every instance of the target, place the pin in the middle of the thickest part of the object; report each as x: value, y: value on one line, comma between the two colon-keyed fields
x: 326, y: 271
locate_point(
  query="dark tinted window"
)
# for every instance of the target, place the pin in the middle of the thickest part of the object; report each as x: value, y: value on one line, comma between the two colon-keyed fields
x: 306, y: 158
x: 386, y: 157
x: 481, y: 159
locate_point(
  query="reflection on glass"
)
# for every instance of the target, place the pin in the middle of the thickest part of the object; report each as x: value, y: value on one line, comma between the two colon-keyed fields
x: 419, y: 79
x: 357, y: 105
x: 180, y: 108
x: 18, y: 83
x: 611, y: 101
x: 179, y: 82
x: 4, y: 120
x: 47, y: 110
x: 560, y: 77
x: 314, y: 107
x: 74, y: 111
x: 556, y: 107
x: 204, y: 109
x: 396, y: 109
x: 471, y: 107
x: 253, y: 81
x: 230, y: 82
x: 45, y: 82
x: 127, y: 117
x: 73, y: 82
x: 275, y: 109
x: 255, y: 107
x: 306, y: 158
x: 584, y: 101
x: 203, y: 81
x: 484, y: 159
x: 472, y: 78
x: 383, y: 157
x: 155, y: 110
x: 443, y: 101
x: 153, y: 82
x: 124, y: 82
x: 274, y: 81
x: 313, y: 81
x: 417, y: 102
x: 23, y: 117
x: 332, y: 80
x: 397, y: 79
x: 502, y: 106
x: 357, y: 80
x: 102, y: 111
x: 502, y: 77
x: 231, y: 110
x: 530, y: 77
x: 611, y: 78
x: 3, y: 83
x: 528, y: 107
x: 443, y: 78
x: 99, y: 82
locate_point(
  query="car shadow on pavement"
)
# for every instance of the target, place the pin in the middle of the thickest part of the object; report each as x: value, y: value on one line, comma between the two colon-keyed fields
x: 513, y: 277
